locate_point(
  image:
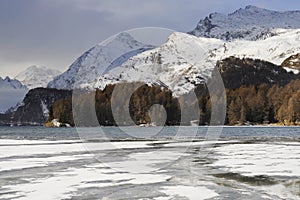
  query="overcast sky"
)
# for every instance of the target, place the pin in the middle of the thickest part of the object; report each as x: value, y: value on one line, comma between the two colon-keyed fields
x: 54, y: 33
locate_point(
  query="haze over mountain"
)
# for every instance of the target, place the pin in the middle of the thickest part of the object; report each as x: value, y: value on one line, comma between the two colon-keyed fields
x: 12, y: 92
x: 34, y: 76
x: 8, y: 83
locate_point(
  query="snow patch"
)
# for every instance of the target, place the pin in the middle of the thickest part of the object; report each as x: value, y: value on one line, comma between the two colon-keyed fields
x: 192, y: 193
x: 295, y: 71
x: 45, y: 109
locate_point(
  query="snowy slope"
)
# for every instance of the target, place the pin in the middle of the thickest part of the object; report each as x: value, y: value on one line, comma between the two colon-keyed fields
x: 178, y: 64
x: 184, y: 60
x: 34, y: 76
x: 274, y: 49
x: 97, y: 60
x: 251, y: 23
x: 12, y: 92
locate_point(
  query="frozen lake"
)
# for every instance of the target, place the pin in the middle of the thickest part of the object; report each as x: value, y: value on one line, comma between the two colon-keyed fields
x: 245, y: 163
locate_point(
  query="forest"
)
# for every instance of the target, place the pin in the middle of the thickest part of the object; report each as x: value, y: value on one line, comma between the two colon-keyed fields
x: 246, y: 105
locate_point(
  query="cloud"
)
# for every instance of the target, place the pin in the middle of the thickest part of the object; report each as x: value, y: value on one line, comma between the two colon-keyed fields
x: 54, y: 33
x: 127, y: 9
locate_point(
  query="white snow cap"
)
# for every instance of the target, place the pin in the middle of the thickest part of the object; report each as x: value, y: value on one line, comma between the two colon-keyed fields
x: 37, y: 76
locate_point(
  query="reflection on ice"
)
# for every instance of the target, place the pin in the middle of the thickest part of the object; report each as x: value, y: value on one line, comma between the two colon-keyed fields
x: 154, y: 170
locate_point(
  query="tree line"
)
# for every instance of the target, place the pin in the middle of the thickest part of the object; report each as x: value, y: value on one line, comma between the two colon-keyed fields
x: 254, y: 104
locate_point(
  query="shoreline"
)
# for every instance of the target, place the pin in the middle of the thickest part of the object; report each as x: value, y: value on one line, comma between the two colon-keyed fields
x: 137, y: 126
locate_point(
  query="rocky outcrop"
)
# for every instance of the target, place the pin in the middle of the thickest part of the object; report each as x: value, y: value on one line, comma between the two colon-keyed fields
x: 292, y: 62
x: 36, y: 106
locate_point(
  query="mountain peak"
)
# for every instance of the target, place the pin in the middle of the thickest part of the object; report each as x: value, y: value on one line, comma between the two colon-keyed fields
x: 251, y: 7
x: 124, y: 35
x: 250, y: 23
x: 179, y: 41
x: 176, y: 64
x: 33, y: 67
x: 9, y: 83
x: 177, y: 35
x: 251, y: 10
x: 96, y: 61
x: 121, y: 39
x: 37, y: 76
x: 7, y: 79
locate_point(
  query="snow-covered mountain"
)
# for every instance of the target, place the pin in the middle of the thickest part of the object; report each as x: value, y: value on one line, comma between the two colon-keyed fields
x: 177, y: 64
x: 251, y: 23
x: 274, y: 49
x: 185, y: 60
x: 98, y: 60
x: 12, y: 92
x: 11, y: 84
x: 34, y: 76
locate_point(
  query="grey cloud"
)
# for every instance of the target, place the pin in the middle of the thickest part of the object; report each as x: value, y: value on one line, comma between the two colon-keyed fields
x: 55, y: 32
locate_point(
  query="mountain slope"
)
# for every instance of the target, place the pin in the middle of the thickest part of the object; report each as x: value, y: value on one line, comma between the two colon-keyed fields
x: 274, y: 49
x: 238, y: 72
x: 12, y: 92
x: 34, y: 77
x: 97, y: 60
x: 251, y: 23
x: 185, y: 61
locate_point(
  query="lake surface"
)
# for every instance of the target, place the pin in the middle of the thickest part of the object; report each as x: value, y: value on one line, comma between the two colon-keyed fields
x: 133, y: 163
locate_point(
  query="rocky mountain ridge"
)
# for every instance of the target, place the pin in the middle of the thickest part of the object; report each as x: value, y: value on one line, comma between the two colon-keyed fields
x: 249, y: 23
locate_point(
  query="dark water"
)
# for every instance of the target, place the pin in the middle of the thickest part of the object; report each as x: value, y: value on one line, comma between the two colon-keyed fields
x: 143, y: 133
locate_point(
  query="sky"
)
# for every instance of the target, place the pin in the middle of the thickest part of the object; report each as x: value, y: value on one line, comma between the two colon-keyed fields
x: 53, y: 33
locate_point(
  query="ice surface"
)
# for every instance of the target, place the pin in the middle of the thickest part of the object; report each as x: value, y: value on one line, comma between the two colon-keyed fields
x: 192, y: 193
x: 146, y: 170
x: 280, y: 159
